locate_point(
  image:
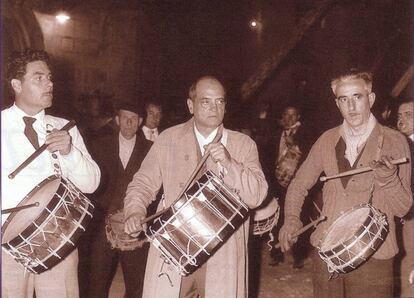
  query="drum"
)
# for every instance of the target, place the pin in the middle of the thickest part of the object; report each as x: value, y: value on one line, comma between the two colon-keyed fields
x: 353, y: 238
x: 116, y: 235
x: 198, y: 223
x: 40, y: 237
x: 266, y: 217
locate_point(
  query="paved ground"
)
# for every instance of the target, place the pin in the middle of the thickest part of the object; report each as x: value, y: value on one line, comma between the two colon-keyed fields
x: 271, y: 281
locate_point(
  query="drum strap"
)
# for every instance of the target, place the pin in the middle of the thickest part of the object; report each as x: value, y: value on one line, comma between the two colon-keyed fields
x: 380, y: 142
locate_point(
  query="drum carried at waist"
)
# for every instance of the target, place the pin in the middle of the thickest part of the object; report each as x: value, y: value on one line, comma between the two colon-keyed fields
x: 266, y: 217
x: 116, y: 235
x: 198, y: 223
x: 39, y: 238
x: 353, y: 238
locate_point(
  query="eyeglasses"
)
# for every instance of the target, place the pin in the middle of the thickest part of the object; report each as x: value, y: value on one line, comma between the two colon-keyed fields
x: 206, y: 103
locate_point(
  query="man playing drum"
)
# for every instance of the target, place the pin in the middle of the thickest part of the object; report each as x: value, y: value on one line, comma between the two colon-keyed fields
x: 359, y: 141
x: 24, y: 126
x: 170, y: 162
x: 119, y: 155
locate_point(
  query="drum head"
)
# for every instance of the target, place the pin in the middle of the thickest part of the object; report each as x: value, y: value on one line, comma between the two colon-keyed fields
x: 345, y: 227
x: 266, y: 211
x: 19, y: 220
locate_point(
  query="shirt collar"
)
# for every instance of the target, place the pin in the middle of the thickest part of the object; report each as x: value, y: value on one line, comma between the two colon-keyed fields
x: 146, y: 128
x: 123, y: 140
x: 40, y: 117
x: 202, y: 141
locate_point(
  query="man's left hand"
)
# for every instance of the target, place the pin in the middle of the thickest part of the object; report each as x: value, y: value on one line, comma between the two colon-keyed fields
x: 59, y: 140
x: 219, y: 153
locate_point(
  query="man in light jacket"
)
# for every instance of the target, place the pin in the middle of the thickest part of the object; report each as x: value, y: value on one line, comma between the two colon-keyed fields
x: 170, y: 162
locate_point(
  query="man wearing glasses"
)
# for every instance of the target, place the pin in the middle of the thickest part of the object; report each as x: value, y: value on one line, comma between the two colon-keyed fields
x: 170, y: 162
x: 360, y: 141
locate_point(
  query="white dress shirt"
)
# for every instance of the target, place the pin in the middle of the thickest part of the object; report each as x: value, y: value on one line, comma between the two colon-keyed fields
x: 202, y: 141
x: 150, y: 133
x: 77, y: 166
x: 125, y: 149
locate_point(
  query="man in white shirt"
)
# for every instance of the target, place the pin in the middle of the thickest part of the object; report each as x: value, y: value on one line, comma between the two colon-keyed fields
x: 405, y: 125
x: 119, y: 156
x: 152, y: 120
x: 66, y: 155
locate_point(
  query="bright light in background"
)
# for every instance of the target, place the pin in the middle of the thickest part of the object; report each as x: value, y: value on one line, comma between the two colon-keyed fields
x: 62, y: 18
x: 253, y: 24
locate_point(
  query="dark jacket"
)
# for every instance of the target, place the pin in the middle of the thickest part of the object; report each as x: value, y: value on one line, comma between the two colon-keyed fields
x: 269, y: 158
x: 111, y: 192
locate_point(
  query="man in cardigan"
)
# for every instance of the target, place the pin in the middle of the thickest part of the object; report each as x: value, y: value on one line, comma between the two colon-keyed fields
x: 359, y: 141
x: 119, y: 157
x: 170, y: 162
x: 405, y: 125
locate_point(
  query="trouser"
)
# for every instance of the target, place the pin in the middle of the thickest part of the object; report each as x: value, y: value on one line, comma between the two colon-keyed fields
x: 405, y: 259
x: 300, y: 249
x: 60, y: 281
x: 372, y: 279
x: 103, y: 264
x: 193, y: 286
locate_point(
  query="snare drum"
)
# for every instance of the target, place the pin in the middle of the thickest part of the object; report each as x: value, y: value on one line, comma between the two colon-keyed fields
x: 353, y: 238
x: 40, y: 237
x: 266, y: 217
x: 116, y: 235
x: 198, y: 223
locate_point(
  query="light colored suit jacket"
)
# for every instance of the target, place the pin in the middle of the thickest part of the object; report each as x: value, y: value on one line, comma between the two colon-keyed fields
x: 170, y: 162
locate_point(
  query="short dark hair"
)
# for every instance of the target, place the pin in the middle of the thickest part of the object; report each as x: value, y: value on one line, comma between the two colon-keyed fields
x: 405, y: 100
x: 292, y: 106
x: 17, y: 62
x: 153, y: 102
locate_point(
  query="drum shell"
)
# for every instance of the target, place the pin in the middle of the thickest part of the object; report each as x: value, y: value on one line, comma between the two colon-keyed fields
x: 356, y: 250
x: 266, y: 217
x: 190, y: 236
x: 53, y: 233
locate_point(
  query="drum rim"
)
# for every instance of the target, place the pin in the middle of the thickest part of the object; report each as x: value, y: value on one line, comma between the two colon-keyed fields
x: 358, y: 259
x: 130, y: 243
x: 341, y: 217
x: 64, y: 248
x: 239, y: 215
x: 361, y: 257
x: 34, y: 190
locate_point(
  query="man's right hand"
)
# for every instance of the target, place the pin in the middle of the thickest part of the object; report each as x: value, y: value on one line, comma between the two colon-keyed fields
x: 285, y: 235
x: 133, y: 225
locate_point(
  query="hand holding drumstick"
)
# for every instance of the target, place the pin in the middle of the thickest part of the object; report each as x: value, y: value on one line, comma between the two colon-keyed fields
x: 382, y: 163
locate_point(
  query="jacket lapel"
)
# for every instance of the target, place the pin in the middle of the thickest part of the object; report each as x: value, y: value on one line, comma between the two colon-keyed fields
x: 370, y: 150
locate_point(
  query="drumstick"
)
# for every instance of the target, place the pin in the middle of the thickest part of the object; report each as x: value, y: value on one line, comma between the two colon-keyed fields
x: 39, y: 151
x: 361, y: 170
x: 305, y: 228
x: 6, y: 211
x: 190, y: 180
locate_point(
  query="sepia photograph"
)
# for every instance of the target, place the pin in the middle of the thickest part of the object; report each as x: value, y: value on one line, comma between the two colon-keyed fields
x: 207, y: 148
